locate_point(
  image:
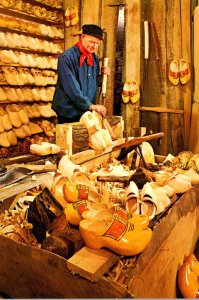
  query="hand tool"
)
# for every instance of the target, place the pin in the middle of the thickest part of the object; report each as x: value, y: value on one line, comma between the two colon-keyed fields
x: 119, y: 54
x: 15, y: 174
x: 146, y: 52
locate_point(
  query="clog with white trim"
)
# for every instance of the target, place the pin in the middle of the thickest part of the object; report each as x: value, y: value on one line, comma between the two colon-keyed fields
x: 174, y: 75
x: 125, y: 92
x: 185, y: 73
x: 134, y: 91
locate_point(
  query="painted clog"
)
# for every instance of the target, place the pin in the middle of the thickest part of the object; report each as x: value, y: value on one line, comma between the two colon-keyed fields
x: 185, y: 73
x: 125, y: 92
x: 73, y: 212
x: 118, y: 235
x: 134, y: 91
x: 108, y: 214
x: 75, y: 192
x: 74, y: 17
x: 67, y: 17
x: 174, y: 75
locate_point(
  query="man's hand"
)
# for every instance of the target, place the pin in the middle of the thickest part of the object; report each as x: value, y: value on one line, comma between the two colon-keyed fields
x: 98, y: 108
x: 105, y: 70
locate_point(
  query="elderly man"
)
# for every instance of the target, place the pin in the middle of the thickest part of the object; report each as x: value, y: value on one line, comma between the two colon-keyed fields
x: 78, y: 74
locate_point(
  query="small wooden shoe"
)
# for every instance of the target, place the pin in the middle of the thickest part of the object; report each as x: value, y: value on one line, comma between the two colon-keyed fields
x: 185, y: 73
x: 134, y: 91
x: 67, y: 17
x: 125, y: 92
x: 7, y: 125
x: 4, y: 142
x: 74, y: 17
x: 12, y: 137
x: 14, y: 116
x: 174, y: 75
x: 73, y: 212
x: 75, y: 192
x: 188, y: 281
x: 132, y: 202
x: 118, y: 235
x: 108, y: 214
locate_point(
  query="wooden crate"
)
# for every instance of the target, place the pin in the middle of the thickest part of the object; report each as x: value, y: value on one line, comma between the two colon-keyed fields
x: 27, y: 272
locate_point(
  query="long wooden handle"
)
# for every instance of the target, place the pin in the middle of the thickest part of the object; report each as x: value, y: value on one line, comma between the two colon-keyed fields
x: 139, y: 140
x: 104, y: 80
x: 196, y: 56
x: 146, y: 39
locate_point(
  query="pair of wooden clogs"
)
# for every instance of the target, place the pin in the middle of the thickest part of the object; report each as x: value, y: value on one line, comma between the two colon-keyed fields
x: 71, y: 17
x: 179, y: 71
x: 130, y: 92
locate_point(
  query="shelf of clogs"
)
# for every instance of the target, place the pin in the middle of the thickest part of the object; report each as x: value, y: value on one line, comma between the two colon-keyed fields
x: 33, y: 98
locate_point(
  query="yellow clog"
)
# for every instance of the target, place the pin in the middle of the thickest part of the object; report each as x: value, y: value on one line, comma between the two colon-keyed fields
x: 67, y: 17
x: 108, y: 214
x: 74, y: 192
x: 188, y: 281
x: 125, y: 92
x: 118, y: 235
x: 174, y: 76
x: 74, y: 17
x: 185, y: 73
x: 134, y: 91
x: 193, y: 262
x: 74, y: 211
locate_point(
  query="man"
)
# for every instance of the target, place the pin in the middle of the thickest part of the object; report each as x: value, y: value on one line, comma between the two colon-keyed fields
x: 78, y: 73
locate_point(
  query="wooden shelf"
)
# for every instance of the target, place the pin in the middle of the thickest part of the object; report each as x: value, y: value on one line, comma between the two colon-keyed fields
x: 26, y: 17
x: 31, y: 51
x: 26, y: 33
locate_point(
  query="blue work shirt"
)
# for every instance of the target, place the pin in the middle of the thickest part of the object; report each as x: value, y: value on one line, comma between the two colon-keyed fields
x: 76, y: 87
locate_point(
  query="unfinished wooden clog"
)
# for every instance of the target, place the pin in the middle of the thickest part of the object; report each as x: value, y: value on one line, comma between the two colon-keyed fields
x: 12, y: 137
x: 4, y: 142
x: 19, y: 132
x: 7, y: 125
x: 14, y: 116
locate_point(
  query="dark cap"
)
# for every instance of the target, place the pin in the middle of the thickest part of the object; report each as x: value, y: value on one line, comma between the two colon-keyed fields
x: 94, y: 30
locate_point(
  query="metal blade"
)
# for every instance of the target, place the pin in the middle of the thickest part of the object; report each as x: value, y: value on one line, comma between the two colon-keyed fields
x: 13, y: 175
x: 119, y: 55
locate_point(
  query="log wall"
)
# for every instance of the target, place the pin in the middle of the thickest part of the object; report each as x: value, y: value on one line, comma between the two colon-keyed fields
x: 172, y: 20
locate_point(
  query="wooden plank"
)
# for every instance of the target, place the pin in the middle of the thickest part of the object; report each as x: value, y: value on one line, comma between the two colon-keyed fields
x: 174, y: 93
x: 151, y: 93
x: 90, y: 154
x: 186, y: 54
x: 132, y: 61
x: 194, y: 133
x: 162, y: 110
x: 37, y: 273
x: 155, y: 273
x: 24, y: 185
x: 90, y: 263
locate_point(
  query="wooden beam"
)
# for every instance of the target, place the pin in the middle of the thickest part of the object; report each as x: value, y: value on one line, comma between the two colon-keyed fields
x: 162, y: 110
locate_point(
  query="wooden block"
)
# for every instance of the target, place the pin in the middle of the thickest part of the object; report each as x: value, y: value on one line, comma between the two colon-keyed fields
x: 90, y: 263
x: 72, y: 137
x: 117, y: 125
